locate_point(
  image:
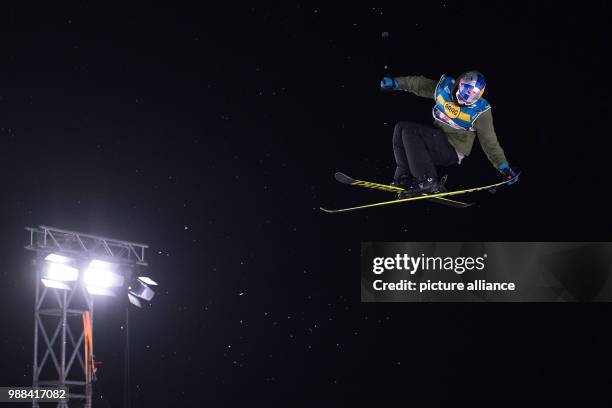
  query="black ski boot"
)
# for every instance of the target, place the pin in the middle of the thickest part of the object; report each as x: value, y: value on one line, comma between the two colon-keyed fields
x: 429, y: 185
x: 405, y: 182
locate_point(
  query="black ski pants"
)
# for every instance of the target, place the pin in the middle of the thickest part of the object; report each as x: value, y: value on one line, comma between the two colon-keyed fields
x: 418, y: 149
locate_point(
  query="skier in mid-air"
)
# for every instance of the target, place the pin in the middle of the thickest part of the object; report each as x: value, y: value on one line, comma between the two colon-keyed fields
x: 460, y: 113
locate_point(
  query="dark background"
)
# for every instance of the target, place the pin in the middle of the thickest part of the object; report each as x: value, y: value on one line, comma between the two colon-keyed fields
x: 212, y: 134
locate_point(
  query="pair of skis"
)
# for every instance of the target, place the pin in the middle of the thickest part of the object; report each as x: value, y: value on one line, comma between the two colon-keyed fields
x: 437, y: 197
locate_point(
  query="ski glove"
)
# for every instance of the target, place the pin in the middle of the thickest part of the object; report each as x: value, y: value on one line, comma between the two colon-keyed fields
x: 507, y: 172
x: 388, y: 84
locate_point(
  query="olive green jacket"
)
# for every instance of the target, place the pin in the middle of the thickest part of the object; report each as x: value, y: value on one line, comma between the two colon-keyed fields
x: 461, y: 140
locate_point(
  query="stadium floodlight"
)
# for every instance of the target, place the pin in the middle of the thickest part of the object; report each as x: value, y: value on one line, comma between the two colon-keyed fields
x: 57, y: 271
x: 100, y: 278
x: 83, y: 265
x: 141, y: 290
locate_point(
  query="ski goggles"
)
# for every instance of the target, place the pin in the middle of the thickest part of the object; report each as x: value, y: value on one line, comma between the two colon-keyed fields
x: 469, y: 93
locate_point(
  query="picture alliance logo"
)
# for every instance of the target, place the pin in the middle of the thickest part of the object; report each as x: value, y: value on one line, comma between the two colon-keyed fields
x: 413, y: 264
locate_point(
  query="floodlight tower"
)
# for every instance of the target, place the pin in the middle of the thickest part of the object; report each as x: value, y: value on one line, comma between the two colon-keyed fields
x: 71, y: 269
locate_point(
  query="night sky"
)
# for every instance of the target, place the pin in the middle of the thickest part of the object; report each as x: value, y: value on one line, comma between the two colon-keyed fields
x: 212, y: 133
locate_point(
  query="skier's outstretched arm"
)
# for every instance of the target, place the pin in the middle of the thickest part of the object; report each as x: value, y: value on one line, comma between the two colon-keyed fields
x: 418, y: 85
x: 490, y: 144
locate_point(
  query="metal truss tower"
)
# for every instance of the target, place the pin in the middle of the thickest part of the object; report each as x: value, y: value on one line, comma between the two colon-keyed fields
x: 59, y: 346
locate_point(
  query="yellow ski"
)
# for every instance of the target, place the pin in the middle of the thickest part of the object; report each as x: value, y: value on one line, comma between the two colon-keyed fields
x: 344, y: 179
x: 422, y: 197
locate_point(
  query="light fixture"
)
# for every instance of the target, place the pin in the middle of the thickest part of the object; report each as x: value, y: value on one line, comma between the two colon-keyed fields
x: 83, y: 265
x: 58, y: 270
x: 140, y: 289
x: 101, y: 277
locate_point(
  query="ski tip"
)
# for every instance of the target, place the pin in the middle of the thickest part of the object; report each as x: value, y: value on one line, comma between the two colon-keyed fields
x: 343, y: 178
x: 326, y: 210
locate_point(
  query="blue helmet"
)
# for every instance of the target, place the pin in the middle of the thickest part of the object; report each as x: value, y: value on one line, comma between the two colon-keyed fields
x: 470, y: 87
